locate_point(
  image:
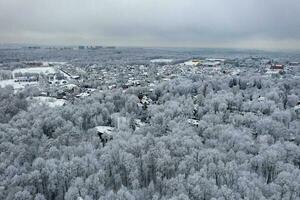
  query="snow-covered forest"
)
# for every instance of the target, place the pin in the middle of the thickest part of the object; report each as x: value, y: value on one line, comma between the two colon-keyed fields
x: 201, y: 137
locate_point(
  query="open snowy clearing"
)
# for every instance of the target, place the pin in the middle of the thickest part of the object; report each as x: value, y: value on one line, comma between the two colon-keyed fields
x: 16, y: 85
x: 49, y: 101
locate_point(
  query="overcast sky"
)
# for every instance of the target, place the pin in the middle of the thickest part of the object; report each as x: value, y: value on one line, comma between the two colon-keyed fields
x: 179, y: 23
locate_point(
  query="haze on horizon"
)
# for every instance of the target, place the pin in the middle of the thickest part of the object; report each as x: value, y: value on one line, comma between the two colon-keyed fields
x: 258, y: 24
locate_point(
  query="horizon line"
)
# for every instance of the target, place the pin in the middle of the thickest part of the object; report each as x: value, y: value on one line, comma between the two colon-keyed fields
x: 157, y: 47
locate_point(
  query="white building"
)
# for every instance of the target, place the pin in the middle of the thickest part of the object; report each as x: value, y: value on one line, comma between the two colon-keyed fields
x: 211, y: 64
x: 194, y: 62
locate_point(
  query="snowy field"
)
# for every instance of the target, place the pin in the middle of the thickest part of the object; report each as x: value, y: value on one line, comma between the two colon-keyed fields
x: 161, y: 60
x: 16, y: 85
x: 49, y: 101
x: 38, y: 70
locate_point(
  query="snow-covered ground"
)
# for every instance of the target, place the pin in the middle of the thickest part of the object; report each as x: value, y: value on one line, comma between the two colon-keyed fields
x: 215, y: 59
x: 49, y: 101
x: 161, y: 60
x: 82, y: 95
x: 38, y: 70
x: 46, y: 63
x: 192, y: 62
x: 16, y: 85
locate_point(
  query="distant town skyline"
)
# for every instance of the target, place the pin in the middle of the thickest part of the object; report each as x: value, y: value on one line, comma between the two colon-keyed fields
x: 252, y: 24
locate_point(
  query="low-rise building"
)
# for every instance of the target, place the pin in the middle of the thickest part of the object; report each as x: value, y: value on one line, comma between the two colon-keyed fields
x: 105, y: 133
x: 277, y: 67
x: 297, y: 109
x: 211, y: 64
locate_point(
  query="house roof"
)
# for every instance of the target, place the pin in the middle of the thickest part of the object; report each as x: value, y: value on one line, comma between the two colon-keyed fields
x: 211, y: 63
x: 277, y: 66
x: 105, y: 129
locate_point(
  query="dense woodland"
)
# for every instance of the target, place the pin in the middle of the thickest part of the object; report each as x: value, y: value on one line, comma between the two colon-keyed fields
x: 245, y: 146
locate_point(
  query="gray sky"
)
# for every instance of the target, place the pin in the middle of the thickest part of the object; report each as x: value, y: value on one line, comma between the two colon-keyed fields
x: 263, y: 24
